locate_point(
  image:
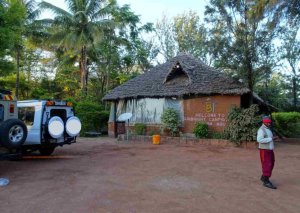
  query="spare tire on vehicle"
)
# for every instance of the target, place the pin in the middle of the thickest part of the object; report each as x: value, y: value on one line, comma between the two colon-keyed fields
x: 73, y: 126
x: 13, y: 133
x: 56, y: 127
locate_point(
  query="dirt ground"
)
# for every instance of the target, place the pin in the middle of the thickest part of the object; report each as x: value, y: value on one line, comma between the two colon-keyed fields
x: 100, y: 175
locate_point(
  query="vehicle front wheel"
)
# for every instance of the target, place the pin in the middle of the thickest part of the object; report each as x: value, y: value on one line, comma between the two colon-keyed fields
x: 46, y: 150
x: 13, y: 133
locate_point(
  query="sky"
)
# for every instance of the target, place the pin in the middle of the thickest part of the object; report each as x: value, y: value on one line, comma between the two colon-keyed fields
x: 152, y: 10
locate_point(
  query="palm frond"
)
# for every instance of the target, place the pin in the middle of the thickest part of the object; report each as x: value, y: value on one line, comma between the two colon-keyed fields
x: 73, y: 5
x: 56, y: 10
x: 104, y: 12
x: 32, y: 12
x: 93, y: 6
x: 64, y: 22
x: 44, y: 22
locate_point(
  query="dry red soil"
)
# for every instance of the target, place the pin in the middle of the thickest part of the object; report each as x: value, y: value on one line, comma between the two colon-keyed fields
x: 101, y: 175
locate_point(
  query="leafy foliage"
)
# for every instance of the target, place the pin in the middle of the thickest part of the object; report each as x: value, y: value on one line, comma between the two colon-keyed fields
x: 201, y: 130
x: 79, y: 29
x: 272, y: 92
x: 170, y: 120
x: 191, y: 35
x: 139, y: 128
x: 242, y: 124
x: 12, y: 17
x: 183, y: 33
x: 92, y: 116
x: 104, y: 42
x: 282, y: 10
x: 290, y: 52
x: 287, y: 123
x: 241, y: 43
x: 154, y: 132
x: 217, y: 135
x: 166, y: 38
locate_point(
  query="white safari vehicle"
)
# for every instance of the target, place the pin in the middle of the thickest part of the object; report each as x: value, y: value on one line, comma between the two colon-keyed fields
x: 49, y: 123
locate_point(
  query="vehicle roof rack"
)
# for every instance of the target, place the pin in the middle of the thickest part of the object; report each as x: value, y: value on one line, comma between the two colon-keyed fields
x: 5, y: 92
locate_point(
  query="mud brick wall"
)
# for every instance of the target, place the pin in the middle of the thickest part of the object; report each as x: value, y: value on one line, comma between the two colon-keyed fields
x: 212, y: 110
x: 111, y: 129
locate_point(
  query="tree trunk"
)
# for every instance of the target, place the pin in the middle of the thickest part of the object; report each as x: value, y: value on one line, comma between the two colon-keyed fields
x: 294, y: 92
x: 108, y: 71
x: 107, y: 86
x: 248, y: 58
x: 83, y: 70
x: 250, y: 80
x: 18, y: 72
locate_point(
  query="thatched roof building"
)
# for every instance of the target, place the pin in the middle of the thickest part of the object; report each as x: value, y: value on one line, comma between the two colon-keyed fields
x: 196, y: 91
x: 182, y: 75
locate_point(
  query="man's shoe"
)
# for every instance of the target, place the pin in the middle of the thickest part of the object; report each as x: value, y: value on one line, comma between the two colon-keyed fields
x: 262, y: 178
x: 269, y: 185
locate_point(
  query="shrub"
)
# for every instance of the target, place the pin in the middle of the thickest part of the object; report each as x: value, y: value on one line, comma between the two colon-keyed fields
x: 201, y: 130
x: 92, y: 116
x: 154, y: 132
x: 242, y: 124
x: 217, y: 135
x: 139, y: 128
x: 170, y: 120
x: 287, y: 123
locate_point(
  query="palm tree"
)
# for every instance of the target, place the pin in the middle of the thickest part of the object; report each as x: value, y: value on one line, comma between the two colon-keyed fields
x: 79, y: 28
x: 27, y: 31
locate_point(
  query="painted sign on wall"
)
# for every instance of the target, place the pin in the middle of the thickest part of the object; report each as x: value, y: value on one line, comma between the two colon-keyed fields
x: 211, y: 110
x: 209, y: 115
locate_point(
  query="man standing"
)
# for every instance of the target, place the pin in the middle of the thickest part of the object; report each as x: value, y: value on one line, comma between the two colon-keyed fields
x: 266, y: 139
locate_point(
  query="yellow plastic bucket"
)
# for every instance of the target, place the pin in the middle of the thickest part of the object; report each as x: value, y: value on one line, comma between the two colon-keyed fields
x: 156, y: 139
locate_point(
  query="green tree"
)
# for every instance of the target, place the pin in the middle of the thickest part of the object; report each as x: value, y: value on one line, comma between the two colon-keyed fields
x: 164, y: 31
x: 26, y: 30
x: 12, y: 16
x: 281, y: 10
x: 290, y: 51
x: 191, y: 35
x: 184, y: 33
x: 130, y: 30
x: 274, y: 91
x: 80, y: 28
x: 122, y: 52
x: 240, y: 40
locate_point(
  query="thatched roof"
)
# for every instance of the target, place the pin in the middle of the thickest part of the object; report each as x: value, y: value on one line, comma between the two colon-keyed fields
x: 181, y: 75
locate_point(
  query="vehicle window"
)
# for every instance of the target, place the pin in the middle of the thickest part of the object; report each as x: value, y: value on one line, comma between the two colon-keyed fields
x: 26, y: 114
x: 62, y: 113
x: 1, y: 112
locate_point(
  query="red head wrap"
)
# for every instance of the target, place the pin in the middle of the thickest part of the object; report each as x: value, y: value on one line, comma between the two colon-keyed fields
x: 266, y: 120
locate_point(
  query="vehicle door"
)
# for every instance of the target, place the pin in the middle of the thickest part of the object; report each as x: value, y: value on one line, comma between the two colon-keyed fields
x: 31, y: 116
